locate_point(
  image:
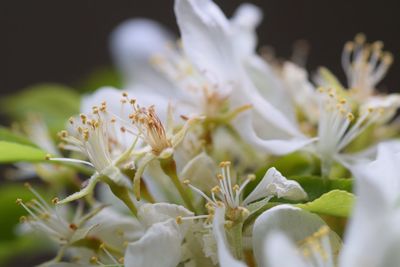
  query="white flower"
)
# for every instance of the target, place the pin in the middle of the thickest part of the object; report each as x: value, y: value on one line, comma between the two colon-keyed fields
x: 338, y: 127
x: 225, y: 202
x: 216, y: 70
x: 161, y: 245
x: 100, y: 233
x: 225, y: 191
x: 104, y: 141
x: 208, y: 40
x: 372, y: 238
x: 365, y: 65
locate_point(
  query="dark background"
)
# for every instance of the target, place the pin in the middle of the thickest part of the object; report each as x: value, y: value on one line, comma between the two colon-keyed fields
x: 64, y: 40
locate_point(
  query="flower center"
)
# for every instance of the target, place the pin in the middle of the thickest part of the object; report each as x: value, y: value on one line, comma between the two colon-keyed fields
x: 317, y: 249
x: 365, y: 65
x: 149, y: 126
x: 225, y: 193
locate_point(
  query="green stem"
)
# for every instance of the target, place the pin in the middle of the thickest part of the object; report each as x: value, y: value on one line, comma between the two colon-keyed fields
x: 236, y: 239
x: 122, y: 193
x: 169, y: 167
x: 326, y: 166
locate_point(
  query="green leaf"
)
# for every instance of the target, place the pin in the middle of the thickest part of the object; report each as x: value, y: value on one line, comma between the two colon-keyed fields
x: 54, y: 103
x: 316, y: 186
x: 13, y: 152
x: 11, y: 243
x: 336, y: 203
x: 7, y: 135
x: 298, y: 163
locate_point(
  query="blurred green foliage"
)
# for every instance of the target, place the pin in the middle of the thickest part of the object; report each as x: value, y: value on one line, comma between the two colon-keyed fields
x: 11, y: 243
x: 53, y: 102
x: 13, y: 152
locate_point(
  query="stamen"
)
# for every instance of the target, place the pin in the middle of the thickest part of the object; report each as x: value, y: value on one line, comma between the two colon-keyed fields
x: 113, y: 259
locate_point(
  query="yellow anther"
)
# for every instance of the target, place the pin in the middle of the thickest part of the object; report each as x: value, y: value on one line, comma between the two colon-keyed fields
x: 216, y: 189
x: 23, y: 219
x: 85, y: 134
x: 251, y: 177
x: 350, y: 116
x: 55, y: 200
x: 94, y: 260
x: 349, y: 46
x: 323, y: 231
x: 95, y: 110
x: 186, y: 182
x: 225, y: 164
x: 18, y: 201
x: 83, y: 118
x: 236, y: 187
x: 71, y: 120
x: 220, y: 177
x: 387, y: 58
x: 73, y: 227
x: 48, y: 157
x: 102, y: 246
x: 342, y: 101
x: 179, y: 220
x: 27, y: 185
x: 220, y: 204
x: 378, y: 45
x: 209, y: 205
x: 360, y: 38
x: 124, y: 94
x: 121, y: 260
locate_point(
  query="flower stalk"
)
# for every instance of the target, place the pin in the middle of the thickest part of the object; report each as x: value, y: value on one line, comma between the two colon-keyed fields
x: 169, y: 167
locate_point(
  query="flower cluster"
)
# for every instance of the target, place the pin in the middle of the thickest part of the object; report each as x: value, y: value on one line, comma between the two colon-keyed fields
x: 215, y: 155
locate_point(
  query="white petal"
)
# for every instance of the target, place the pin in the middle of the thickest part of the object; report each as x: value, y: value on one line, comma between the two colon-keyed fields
x: 150, y: 214
x: 270, y: 86
x: 281, y: 252
x: 382, y: 174
x: 296, y: 223
x: 244, y: 22
x: 160, y: 246
x: 108, y: 221
x: 201, y: 172
x: 133, y: 43
x: 302, y: 91
x: 377, y: 188
x: 110, y: 94
x: 367, y: 155
x: 224, y: 255
x: 275, y: 184
x: 207, y: 40
x: 243, y: 124
x: 206, y: 37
